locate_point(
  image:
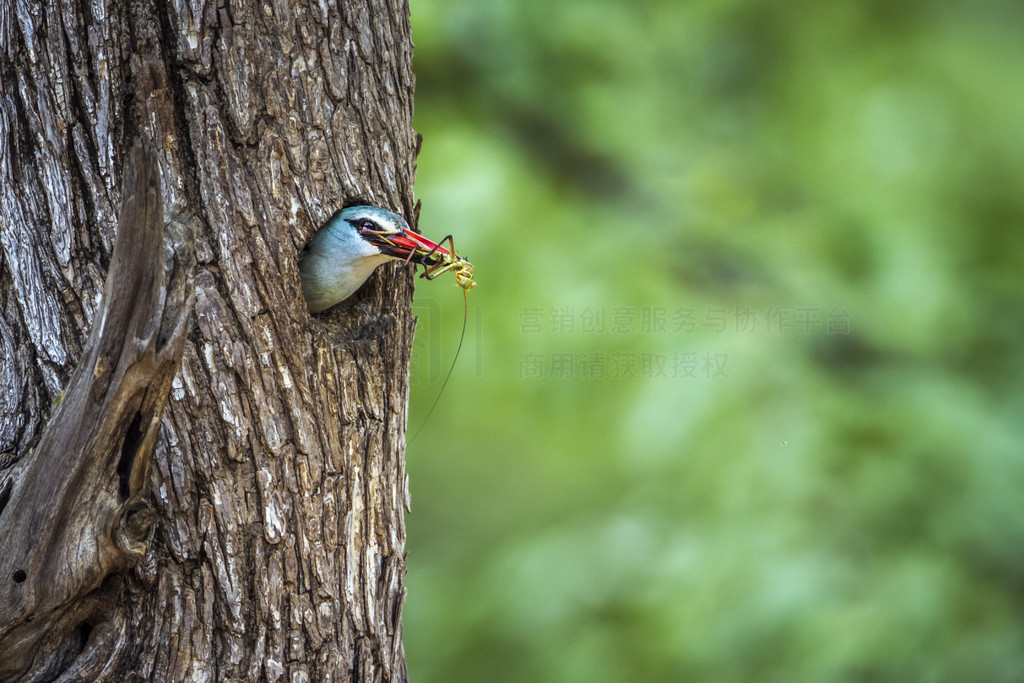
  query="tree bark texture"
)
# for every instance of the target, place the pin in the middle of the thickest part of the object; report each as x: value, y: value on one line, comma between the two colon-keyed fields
x: 74, y: 510
x: 274, y: 546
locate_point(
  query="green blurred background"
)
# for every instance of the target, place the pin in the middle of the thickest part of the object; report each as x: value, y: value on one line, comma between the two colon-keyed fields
x: 740, y: 397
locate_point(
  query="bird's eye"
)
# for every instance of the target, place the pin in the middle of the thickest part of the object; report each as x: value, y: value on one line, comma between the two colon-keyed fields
x: 367, y: 224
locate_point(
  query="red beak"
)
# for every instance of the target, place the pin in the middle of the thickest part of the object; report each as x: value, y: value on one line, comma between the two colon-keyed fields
x: 406, y: 245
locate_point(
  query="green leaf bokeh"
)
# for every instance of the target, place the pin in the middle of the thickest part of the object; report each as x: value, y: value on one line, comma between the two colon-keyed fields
x: 741, y: 391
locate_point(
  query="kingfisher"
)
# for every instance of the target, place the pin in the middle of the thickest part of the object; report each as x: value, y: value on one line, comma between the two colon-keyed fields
x: 349, y: 246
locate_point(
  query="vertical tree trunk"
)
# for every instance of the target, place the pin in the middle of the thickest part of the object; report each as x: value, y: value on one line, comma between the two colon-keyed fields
x: 278, y: 478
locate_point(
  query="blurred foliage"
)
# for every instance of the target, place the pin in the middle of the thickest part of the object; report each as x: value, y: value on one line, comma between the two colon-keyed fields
x: 837, y: 492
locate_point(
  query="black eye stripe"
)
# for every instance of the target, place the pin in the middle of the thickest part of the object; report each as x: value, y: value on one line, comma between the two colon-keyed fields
x: 364, y: 224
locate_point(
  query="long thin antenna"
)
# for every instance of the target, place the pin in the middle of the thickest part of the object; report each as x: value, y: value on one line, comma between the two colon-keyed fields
x: 465, y: 316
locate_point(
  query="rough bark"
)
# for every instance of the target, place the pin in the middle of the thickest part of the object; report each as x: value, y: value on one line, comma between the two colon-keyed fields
x: 277, y: 482
x: 73, y: 511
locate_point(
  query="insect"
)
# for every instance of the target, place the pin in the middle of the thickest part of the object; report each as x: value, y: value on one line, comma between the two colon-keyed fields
x: 448, y: 260
x: 436, y: 261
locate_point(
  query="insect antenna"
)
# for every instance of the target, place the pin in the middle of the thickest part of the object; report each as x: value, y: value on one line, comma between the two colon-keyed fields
x: 462, y: 336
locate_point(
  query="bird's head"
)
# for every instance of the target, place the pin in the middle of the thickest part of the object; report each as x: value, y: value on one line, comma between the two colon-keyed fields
x: 346, y: 249
x: 390, y: 235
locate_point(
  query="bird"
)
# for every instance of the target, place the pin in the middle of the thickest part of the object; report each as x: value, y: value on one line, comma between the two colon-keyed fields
x: 349, y: 246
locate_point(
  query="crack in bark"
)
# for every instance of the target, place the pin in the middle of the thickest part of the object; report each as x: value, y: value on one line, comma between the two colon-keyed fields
x: 75, y: 514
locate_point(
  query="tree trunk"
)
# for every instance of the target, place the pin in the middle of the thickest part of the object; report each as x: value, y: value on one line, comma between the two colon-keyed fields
x: 256, y: 531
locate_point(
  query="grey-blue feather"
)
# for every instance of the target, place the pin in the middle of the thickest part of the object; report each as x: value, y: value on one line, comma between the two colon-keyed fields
x: 339, y: 259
